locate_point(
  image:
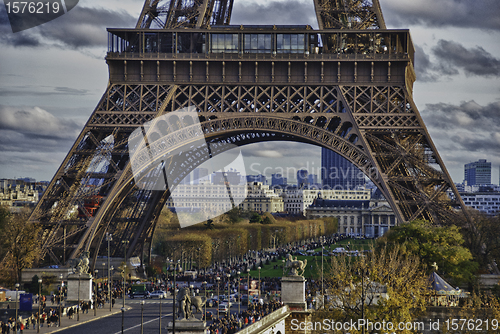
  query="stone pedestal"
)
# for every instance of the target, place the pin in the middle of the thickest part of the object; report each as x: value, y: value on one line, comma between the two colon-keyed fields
x: 192, y: 326
x: 293, y: 292
x: 79, y: 285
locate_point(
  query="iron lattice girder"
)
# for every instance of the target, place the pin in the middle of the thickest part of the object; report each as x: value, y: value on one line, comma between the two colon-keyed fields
x: 169, y: 14
x: 358, y: 105
x: 349, y: 14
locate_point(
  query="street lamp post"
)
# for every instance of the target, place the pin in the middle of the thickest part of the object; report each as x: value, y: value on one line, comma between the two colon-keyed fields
x: 259, y: 280
x: 95, y: 293
x: 175, y: 268
x: 161, y: 297
x: 228, y: 295
x: 123, y: 293
x: 124, y: 272
x: 283, y: 261
x: 125, y: 243
x: 39, y: 304
x: 109, y: 238
x: 123, y: 316
x: 60, y: 298
x: 17, y: 289
x: 322, y: 281
x: 218, y: 296
x: 205, y: 311
x: 248, y: 287
x: 239, y: 295
x: 142, y: 316
x: 78, y: 306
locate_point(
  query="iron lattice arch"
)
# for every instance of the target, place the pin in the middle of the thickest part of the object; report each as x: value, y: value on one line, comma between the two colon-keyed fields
x: 352, y: 95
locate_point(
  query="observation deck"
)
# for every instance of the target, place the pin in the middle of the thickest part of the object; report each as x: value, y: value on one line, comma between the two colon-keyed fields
x: 260, y: 54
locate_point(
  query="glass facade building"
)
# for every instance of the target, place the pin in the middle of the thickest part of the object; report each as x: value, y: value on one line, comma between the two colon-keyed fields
x: 478, y: 173
x: 339, y: 173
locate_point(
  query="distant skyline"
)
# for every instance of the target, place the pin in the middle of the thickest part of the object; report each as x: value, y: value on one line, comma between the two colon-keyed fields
x: 53, y: 76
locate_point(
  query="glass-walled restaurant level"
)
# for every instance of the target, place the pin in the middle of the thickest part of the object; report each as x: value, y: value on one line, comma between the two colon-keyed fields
x: 270, y: 40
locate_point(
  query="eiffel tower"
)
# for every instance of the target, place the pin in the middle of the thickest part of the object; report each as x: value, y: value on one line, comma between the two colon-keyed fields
x: 347, y: 86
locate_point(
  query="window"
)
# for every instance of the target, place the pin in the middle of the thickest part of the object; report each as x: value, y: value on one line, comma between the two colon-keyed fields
x: 257, y: 43
x: 290, y: 43
x: 227, y: 43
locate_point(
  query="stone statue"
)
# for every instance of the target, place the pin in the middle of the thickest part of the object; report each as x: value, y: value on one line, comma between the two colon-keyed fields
x: 198, y: 303
x: 184, y: 301
x: 81, y: 265
x: 295, y: 266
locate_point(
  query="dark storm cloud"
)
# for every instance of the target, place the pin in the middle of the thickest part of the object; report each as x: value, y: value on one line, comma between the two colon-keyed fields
x: 482, y: 14
x: 466, y: 127
x: 468, y: 115
x: 291, y: 12
x: 424, y: 68
x: 31, y: 126
x: 474, y: 61
x: 81, y: 27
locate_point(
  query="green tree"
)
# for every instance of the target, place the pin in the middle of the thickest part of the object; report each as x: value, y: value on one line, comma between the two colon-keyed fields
x: 234, y: 215
x: 266, y: 221
x: 439, y: 244
x: 484, y: 240
x: 255, y: 219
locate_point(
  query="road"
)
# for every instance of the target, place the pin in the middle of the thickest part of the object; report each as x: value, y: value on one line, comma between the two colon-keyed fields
x: 132, y: 319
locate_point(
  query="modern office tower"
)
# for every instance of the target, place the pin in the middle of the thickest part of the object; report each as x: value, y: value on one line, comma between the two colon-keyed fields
x: 278, y: 180
x: 312, y: 179
x: 478, y: 173
x: 339, y: 173
x: 257, y: 178
x: 302, y: 178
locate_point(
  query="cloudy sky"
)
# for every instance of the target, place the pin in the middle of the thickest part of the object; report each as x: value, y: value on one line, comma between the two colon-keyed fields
x: 52, y: 76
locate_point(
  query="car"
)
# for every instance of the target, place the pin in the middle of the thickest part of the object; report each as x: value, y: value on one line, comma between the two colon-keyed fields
x: 140, y: 294
x: 223, y: 308
x: 158, y: 294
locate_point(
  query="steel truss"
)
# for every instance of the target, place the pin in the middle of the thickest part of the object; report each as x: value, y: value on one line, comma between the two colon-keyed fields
x: 371, y: 120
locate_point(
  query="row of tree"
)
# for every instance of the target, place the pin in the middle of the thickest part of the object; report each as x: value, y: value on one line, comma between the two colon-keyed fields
x: 209, y: 242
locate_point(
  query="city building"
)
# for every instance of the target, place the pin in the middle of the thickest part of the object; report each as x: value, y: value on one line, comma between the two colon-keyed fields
x: 302, y: 178
x: 486, y: 202
x: 212, y: 199
x: 477, y: 173
x: 261, y: 198
x: 296, y: 201
x: 339, y: 173
x: 371, y: 218
x: 278, y: 180
x: 312, y: 179
x: 18, y: 195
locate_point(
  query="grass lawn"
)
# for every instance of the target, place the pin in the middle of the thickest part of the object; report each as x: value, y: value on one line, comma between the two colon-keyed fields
x: 313, y: 269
